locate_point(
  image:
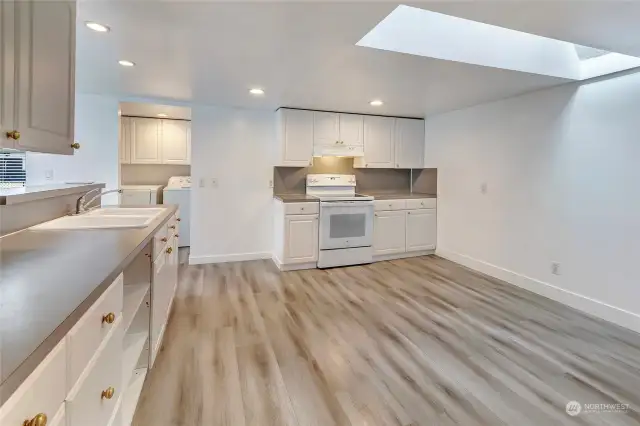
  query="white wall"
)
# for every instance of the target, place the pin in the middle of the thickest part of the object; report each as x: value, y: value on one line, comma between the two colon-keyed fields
x: 562, y: 174
x: 96, y: 129
x: 232, y: 221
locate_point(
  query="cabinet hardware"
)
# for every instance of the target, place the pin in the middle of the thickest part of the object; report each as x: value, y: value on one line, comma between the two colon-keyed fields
x: 109, y: 318
x: 108, y: 394
x: 169, y: 250
x: 75, y: 145
x: 301, y: 208
x: 177, y: 235
x: 172, y: 227
x: 39, y: 420
x: 178, y: 219
x: 163, y: 239
x: 398, y: 165
x: 409, y: 212
x: 14, y: 134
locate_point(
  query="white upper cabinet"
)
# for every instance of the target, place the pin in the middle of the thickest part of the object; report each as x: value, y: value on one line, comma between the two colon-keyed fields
x: 145, y: 141
x: 326, y: 128
x: 409, y: 141
x: 351, y: 129
x: 295, y: 137
x: 176, y: 141
x: 7, y: 67
x: 38, y: 75
x: 421, y: 229
x: 46, y: 76
x: 124, y: 145
x: 379, y: 151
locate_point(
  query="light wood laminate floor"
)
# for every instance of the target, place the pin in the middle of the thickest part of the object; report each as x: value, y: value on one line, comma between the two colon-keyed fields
x: 419, y: 341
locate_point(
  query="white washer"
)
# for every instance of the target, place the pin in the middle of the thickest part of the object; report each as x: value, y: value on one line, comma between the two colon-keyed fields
x: 178, y: 191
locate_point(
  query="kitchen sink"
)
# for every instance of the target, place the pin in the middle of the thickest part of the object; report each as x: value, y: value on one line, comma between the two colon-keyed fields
x: 87, y: 221
x: 125, y: 211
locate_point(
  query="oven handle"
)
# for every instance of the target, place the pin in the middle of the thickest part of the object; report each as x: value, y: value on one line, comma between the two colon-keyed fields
x: 329, y: 204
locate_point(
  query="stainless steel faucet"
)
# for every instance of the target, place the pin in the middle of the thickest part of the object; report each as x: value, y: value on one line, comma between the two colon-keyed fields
x: 81, y: 204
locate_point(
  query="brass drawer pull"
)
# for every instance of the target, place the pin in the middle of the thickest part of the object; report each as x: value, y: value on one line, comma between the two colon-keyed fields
x: 39, y: 420
x: 178, y: 219
x: 109, y: 318
x: 75, y: 145
x: 172, y: 227
x: 169, y: 250
x: 163, y: 239
x: 108, y: 394
x: 15, y: 135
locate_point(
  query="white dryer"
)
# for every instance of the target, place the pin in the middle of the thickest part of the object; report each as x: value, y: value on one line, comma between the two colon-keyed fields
x: 178, y: 191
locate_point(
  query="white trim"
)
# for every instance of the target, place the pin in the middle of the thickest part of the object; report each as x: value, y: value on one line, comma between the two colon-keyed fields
x: 594, y: 307
x: 393, y: 256
x: 223, y: 258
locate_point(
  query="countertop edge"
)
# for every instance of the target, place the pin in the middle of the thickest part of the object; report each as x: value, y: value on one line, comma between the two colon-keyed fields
x: 12, y: 199
x: 31, y: 363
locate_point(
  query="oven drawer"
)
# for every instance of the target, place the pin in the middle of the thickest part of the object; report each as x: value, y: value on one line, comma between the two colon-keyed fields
x: 301, y: 208
x: 421, y: 203
x: 381, y: 205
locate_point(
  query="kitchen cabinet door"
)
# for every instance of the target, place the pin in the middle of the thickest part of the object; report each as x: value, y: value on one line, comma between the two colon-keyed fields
x: 7, y: 66
x: 46, y: 75
x: 145, y: 141
x: 389, y: 228
x: 326, y: 128
x: 409, y: 141
x: 176, y: 141
x: 124, y: 145
x: 351, y: 130
x: 301, y: 238
x: 295, y: 137
x: 379, y: 149
x: 421, y: 229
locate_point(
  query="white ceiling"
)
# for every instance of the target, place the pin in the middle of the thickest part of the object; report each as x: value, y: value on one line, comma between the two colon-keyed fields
x: 138, y: 109
x: 304, y: 54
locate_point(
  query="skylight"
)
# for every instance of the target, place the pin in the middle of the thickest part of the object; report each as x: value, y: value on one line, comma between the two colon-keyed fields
x: 430, y: 34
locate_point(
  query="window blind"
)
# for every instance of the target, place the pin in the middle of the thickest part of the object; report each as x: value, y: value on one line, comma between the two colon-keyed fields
x: 13, y: 169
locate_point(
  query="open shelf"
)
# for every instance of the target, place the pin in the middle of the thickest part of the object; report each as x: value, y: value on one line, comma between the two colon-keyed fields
x: 133, y: 346
x: 134, y: 295
x: 131, y: 396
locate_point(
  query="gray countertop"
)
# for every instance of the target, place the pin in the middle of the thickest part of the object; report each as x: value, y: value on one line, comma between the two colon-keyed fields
x: 296, y: 198
x: 38, y: 192
x: 396, y: 195
x: 48, y: 280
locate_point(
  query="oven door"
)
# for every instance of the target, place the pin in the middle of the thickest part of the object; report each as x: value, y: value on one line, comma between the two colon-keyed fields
x: 346, y: 224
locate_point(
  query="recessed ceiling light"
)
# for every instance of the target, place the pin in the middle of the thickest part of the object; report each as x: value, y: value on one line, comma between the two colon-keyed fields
x: 126, y: 63
x: 377, y: 102
x: 163, y: 115
x: 256, y: 91
x: 97, y: 27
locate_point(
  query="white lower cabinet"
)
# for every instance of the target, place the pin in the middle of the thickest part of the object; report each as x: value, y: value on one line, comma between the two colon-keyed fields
x: 421, y: 230
x: 389, y: 229
x: 301, y: 236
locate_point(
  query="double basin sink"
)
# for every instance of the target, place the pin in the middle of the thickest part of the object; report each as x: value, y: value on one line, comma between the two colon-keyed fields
x: 105, y: 218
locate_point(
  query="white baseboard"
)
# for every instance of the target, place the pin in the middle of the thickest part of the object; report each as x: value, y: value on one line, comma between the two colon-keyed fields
x: 239, y: 257
x: 594, y: 307
x: 381, y: 257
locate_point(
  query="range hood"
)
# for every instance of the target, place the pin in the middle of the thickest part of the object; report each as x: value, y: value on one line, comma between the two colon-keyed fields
x: 338, y: 151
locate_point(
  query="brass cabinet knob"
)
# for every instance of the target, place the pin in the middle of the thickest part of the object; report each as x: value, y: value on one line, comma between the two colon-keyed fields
x: 172, y: 227
x: 169, y: 250
x: 39, y: 420
x: 109, y: 318
x: 14, y: 134
x: 75, y: 145
x: 163, y: 239
x: 108, y: 394
x: 177, y: 235
x: 178, y: 219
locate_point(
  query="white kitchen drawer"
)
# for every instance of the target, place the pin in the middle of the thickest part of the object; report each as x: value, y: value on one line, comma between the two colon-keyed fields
x: 87, y: 335
x: 421, y: 203
x: 160, y: 241
x: 381, y: 205
x: 301, y: 208
x: 86, y: 404
x: 42, y: 392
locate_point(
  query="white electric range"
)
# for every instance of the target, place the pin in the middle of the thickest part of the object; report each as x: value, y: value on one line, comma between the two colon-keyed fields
x: 346, y: 220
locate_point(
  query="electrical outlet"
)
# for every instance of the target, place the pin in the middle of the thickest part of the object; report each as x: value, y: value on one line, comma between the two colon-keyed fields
x: 48, y: 174
x: 555, y: 268
x: 202, y: 183
x: 270, y: 183
x: 483, y: 187
x: 214, y: 182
